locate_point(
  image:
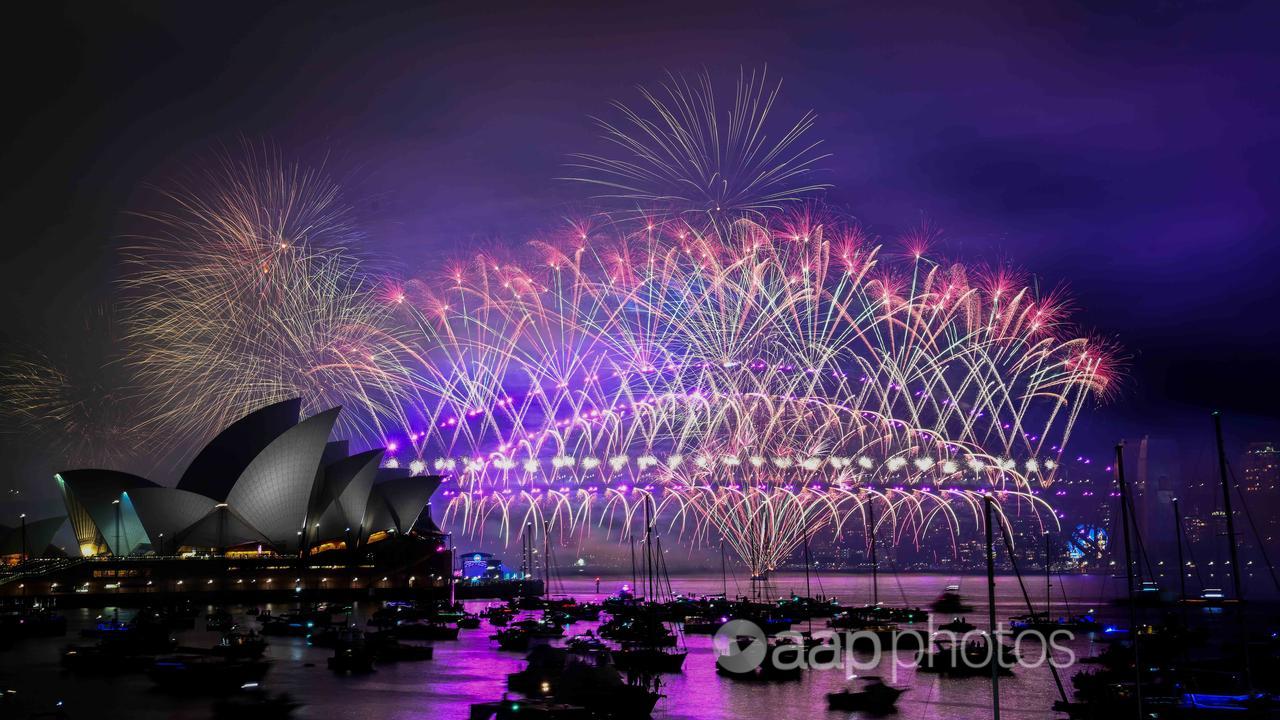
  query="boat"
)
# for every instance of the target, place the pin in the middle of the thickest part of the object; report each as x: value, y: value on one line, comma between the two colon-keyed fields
x: 513, y: 638
x: 331, y: 636
x: 804, y: 608
x: 586, y: 681
x: 868, y: 615
x: 33, y: 622
x: 426, y: 630
x: 544, y: 663
x: 387, y: 647
x: 288, y: 625
x: 233, y: 645
x: 352, y: 655
x: 1204, y: 705
x: 584, y: 611
x: 967, y: 659
x: 637, y: 630
x: 542, y: 628
x: 586, y: 643
x: 240, y: 645
x: 499, y: 615
x: 950, y: 602
x: 251, y: 702
x: 643, y: 659
x: 875, y: 698
x: 526, y: 709
x: 106, y: 658
x: 958, y: 625
x: 693, y: 625
x: 469, y: 622
x: 1039, y: 622
x: 202, y: 674
x: 395, y: 612
x: 624, y: 603
x: 887, y: 636
x: 351, y: 660
x: 122, y: 647
x: 772, y: 668
x: 598, y: 687
x: 146, y: 629
x: 557, y: 617
x: 219, y: 621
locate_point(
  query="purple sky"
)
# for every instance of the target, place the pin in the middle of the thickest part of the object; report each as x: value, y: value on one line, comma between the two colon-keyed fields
x: 1130, y: 154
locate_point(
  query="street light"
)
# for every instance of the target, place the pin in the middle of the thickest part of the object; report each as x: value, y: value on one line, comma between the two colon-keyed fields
x: 116, y: 502
x: 24, y: 536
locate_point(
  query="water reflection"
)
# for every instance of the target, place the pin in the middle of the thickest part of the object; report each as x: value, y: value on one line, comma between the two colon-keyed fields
x: 472, y: 669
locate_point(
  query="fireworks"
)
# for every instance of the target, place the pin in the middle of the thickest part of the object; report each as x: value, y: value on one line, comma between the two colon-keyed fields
x: 761, y: 383
x: 75, y: 406
x: 753, y: 369
x: 682, y: 156
x: 245, y: 294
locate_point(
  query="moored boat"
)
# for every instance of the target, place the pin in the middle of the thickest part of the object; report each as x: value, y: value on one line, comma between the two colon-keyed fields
x: 202, y: 674
x: 875, y: 698
x: 950, y: 603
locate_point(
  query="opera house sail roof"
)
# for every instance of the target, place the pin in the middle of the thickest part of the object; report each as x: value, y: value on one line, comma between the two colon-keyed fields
x: 267, y: 480
x: 30, y: 539
x: 103, y: 496
x: 216, y: 468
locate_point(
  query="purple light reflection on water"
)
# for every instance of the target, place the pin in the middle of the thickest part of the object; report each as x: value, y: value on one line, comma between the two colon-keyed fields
x: 472, y: 669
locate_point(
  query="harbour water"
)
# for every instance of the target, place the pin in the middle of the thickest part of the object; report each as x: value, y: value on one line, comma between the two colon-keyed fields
x: 472, y: 669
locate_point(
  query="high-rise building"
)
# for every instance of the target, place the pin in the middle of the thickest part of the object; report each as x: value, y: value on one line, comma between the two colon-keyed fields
x: 1261, y: 468
x: 1260, y: 485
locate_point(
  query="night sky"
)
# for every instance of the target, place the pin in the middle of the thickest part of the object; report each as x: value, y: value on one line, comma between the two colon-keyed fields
x: 1129, y: 154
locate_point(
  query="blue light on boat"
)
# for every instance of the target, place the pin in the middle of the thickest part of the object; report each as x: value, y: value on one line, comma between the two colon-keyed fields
x: 1229, y: 703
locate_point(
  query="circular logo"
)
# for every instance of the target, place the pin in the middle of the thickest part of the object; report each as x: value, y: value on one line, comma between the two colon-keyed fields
x: 740, y: 646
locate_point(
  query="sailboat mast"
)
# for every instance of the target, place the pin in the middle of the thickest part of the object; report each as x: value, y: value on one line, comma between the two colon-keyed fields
x: 1226, y: 507
x: 724, y: 578
x: 807, y: 592
x: 524, y: 553
x: 546, y: 558
x: 875, y: 564
x: 1048, y: 582
x: 1182, y: 566
x: 1236, y: 570
x: 635, y: 586
x: 1128, y: 573
x: 992, y: 637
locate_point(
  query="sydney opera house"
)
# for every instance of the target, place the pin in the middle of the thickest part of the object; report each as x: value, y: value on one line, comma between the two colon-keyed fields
x: 269, y: 483
x: 272, y: 494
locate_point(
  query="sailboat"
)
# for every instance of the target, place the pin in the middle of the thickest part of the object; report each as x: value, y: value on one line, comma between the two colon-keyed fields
x: 876, y: 614
x: 977, y: 656
x: 652, y: 649
x: 1044, y: 622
